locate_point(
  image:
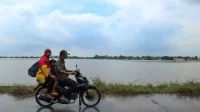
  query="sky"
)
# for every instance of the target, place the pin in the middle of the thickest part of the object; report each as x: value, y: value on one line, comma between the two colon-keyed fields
x: 103, y: 27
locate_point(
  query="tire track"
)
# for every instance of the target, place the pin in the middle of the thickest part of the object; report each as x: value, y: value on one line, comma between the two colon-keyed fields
x: 156, y: 102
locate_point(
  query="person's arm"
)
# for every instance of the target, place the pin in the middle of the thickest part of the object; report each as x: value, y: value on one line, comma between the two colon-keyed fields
x: 66, y: 72
x: 59, y: 68
x: 53, y: 73
x: 52, y: 76
x: 70, y: 70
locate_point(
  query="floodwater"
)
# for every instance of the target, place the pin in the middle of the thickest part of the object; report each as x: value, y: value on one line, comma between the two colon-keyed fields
x: 142, y: 103
x: 16, y: 71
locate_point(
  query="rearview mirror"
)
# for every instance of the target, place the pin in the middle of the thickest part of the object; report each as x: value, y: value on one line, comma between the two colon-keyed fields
x: 75, y: 65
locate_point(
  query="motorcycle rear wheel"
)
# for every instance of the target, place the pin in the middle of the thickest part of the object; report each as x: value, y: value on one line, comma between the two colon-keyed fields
x: 37, y: 95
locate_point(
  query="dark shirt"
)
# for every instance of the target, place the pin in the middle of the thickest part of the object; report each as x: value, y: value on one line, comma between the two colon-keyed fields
x: 60, y: 65
x: 53, y: 71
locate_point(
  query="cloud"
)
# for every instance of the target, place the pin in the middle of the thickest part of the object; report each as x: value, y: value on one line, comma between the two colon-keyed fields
x: 193, y: 2
x: 158, y: 27
x: 154, y: 38
x: 131, y: 27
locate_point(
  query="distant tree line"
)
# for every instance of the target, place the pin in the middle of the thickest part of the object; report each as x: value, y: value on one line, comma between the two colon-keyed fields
x: 147, y: 57
x: 186, y: 58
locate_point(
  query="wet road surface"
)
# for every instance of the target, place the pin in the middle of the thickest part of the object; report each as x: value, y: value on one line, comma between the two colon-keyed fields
x: 142, y: 103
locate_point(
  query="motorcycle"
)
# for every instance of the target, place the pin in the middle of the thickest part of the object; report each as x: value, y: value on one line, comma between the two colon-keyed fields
x: 83, y: 93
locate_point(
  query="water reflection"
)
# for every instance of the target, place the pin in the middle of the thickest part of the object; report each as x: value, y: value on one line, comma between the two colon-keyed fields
x: 176, y: 96
x: 187, y: 97
x: 150, y: 103
x: 50, y: 109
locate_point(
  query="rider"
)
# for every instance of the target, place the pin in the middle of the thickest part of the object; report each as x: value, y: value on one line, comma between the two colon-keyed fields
x: 62, y: 75
x: 44, y: 69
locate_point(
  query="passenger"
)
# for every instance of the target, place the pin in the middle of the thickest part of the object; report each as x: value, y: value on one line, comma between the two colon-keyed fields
x: 52, y: 83
x: 44, y: 73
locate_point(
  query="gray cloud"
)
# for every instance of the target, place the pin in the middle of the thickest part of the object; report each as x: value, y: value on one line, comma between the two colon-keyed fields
x: 193, y: 2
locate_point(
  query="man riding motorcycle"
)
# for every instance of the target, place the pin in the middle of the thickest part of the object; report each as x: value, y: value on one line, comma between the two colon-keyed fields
x: 62, y: 75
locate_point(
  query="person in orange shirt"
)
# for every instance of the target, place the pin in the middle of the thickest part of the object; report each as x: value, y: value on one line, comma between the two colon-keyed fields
x: 44, y: 73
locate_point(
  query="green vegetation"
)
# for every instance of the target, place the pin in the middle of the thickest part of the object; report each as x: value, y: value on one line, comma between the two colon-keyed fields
x: 189, y: 87
x: 17, y: 89
x: 186, y: 58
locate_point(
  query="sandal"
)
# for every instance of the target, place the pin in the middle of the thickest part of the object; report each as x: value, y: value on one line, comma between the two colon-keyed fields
x: 54, y: 93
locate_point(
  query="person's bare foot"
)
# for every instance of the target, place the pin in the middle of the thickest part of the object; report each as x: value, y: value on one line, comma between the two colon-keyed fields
x: 64, y: 99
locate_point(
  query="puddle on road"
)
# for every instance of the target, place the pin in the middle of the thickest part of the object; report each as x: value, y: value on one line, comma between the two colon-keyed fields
x: 142, y: 103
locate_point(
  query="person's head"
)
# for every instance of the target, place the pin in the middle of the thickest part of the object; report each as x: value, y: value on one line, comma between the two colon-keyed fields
x: 52, y: 62
x: 63, y: 54
x: 47, y: 53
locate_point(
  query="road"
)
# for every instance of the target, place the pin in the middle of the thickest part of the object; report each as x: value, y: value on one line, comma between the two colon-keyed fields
x: 142, y: 103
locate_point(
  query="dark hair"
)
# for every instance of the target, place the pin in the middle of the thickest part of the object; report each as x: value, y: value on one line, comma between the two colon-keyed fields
x: 52, y: 61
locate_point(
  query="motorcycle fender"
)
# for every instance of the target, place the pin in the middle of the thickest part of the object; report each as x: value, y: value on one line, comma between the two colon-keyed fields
x: 86, y: 87
x: 89, y: 86
x: 36, y: 87
x: 39, y: 85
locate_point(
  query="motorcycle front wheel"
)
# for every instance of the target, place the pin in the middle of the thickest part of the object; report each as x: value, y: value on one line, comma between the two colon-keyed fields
x: 91, y: 97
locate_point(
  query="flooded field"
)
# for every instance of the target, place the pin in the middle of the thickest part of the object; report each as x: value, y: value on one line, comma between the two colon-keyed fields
x: 110, y: 70
x: 142, y: 103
